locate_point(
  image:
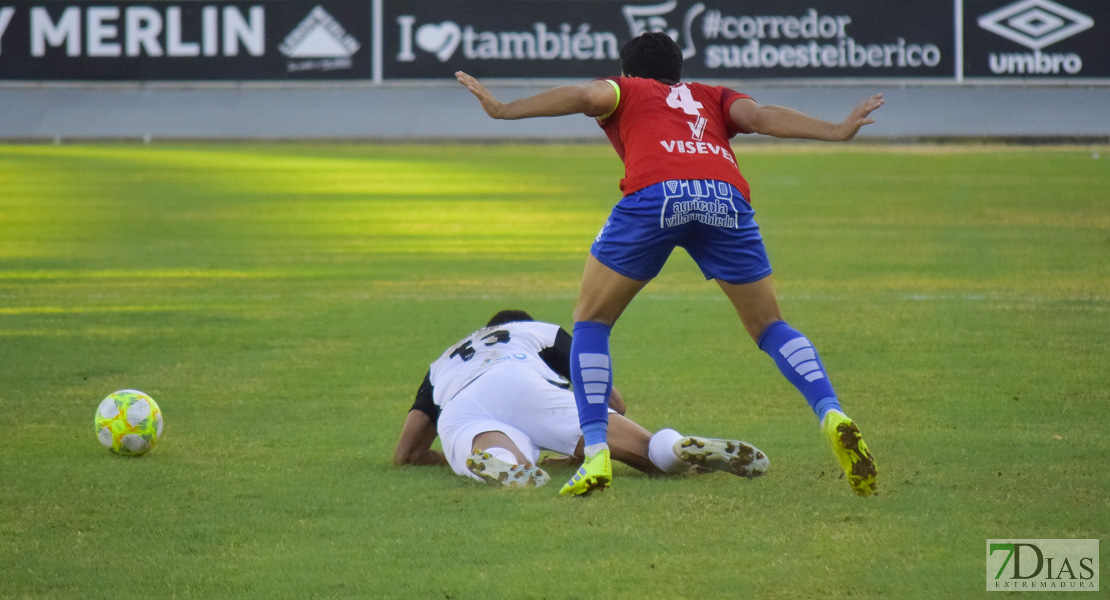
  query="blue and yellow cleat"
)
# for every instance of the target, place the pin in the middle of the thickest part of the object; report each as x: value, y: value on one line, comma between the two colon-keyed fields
x: 851, y: 452
x: 595, y: 474
x: 498, y: 473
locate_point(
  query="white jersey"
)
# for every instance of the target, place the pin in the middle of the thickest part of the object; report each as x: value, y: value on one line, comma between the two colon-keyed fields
x: 516, y: 345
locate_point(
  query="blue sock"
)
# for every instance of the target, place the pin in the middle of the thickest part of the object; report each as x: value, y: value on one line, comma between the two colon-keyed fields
x: 591, y: 377
x: 798, y: 361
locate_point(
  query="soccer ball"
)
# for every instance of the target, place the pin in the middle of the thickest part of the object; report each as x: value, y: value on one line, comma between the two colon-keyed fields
x: 128, y: 422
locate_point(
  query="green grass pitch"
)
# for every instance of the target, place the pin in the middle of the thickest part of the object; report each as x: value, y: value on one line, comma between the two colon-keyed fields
x: 282, y: 302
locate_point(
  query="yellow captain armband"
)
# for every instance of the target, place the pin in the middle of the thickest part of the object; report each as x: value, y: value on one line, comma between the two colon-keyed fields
x: 617, y: 89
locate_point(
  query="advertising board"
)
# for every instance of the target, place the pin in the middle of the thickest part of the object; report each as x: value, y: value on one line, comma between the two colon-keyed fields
x: 1036, y: 39
x: 403, y: 40
x: 205, y: 40
x: 763, y: 39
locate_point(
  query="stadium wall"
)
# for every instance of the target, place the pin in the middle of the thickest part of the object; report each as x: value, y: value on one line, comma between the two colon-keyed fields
x: 434, y: 112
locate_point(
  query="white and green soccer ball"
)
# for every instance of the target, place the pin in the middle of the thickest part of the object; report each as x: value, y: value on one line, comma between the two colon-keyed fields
x: 128, y: 422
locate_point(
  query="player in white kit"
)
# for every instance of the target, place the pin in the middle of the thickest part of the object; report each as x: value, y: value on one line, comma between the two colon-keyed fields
x: 501, y: 395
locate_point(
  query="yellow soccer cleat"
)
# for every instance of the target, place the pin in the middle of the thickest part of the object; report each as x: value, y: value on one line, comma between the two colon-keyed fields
x: 594, y: 474
x: 851, y: 452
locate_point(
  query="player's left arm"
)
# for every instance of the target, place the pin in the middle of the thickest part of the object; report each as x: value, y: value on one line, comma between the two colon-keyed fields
x: 616, y: 401
x: 593, y: 100
x: 782, y: 122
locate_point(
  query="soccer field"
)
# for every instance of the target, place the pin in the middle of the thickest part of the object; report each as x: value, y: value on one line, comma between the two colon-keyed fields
x: 281, y: 302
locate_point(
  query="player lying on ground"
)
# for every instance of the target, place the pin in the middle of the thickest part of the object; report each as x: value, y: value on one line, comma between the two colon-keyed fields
x: 500, y: 396
x: 682, y: 187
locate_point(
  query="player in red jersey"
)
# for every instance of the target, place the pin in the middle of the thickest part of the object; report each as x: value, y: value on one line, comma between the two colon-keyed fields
x: 682, y: 187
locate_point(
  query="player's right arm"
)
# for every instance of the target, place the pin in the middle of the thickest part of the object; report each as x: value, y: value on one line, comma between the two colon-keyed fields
x: 415, y: 445
x: 782, y: 122
x: 419, y: 431
x: 593, y: 100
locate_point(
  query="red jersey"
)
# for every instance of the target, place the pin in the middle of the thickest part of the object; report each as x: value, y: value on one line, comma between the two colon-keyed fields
x: 681, y: 131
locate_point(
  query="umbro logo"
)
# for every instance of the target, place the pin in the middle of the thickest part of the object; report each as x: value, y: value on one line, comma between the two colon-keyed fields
x: 1035, y: 24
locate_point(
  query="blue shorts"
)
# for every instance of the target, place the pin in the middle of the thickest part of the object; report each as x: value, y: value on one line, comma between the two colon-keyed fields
x: 710, y: 219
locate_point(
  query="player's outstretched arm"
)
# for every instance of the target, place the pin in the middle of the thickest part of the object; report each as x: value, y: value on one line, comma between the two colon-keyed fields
x: 593, y: 100
x: 782, y: 122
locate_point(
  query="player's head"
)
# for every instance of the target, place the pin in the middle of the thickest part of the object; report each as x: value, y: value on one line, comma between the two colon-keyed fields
x: 652, y: 55
x: 509, y: 316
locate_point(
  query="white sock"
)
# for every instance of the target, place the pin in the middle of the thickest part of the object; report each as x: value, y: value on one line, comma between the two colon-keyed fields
x: 502, y: 454
x: 593, y: 449
x: 661, y: 451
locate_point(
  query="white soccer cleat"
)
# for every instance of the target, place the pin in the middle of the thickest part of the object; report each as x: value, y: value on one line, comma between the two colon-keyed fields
x: 498, y: 473
x: 731, y: 456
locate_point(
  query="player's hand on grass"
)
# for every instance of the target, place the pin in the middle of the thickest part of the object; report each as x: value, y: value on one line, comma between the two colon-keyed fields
x: 490, y: 104
x: 860, y: 116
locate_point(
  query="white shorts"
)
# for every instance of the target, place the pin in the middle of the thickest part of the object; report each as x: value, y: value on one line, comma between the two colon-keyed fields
x: 535, y: 413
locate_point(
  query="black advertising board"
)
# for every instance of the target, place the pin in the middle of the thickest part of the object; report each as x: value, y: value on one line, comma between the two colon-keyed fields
x: 204, y: 40
x: 378, y: 40
x: 425, y: 39
x: 1057, y: 39
x: 812, y: 39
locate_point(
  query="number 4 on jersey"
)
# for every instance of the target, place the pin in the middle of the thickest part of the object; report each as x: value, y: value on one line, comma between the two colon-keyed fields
x: 681, y: 98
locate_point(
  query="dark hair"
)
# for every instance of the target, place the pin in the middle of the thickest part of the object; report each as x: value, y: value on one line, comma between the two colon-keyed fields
x: 652, y: 55
x: 509, y: 316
